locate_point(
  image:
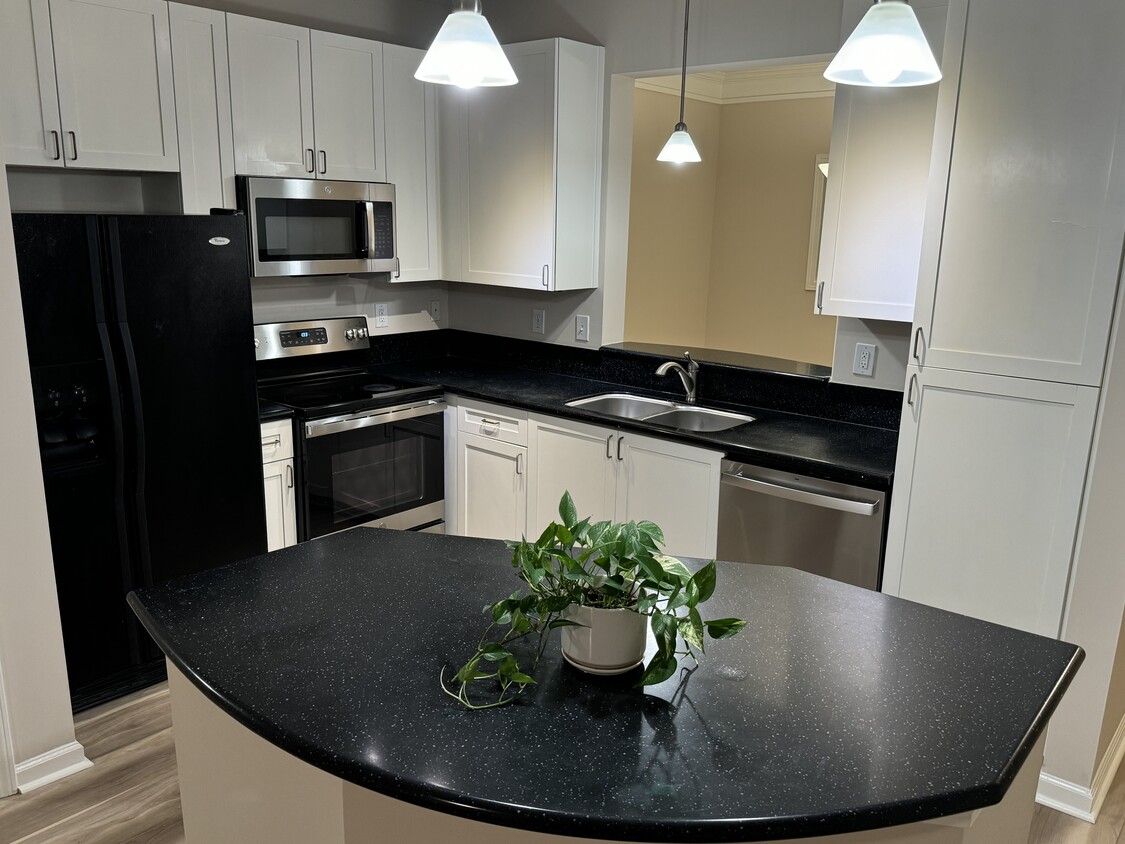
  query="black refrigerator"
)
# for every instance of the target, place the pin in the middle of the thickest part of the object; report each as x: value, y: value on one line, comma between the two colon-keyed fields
x: 140, y: 339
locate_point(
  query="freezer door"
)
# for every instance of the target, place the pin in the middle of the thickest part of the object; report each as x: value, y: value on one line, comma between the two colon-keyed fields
x: 182, y: 319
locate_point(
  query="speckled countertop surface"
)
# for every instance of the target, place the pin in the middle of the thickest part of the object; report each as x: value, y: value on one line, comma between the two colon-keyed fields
x: 837, y: 709
x: 823, y: 448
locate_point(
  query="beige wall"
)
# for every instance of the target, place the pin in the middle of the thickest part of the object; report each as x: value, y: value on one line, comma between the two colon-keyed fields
x: 718, y: 251
x: 1115, y: 697
x: 672, y: 212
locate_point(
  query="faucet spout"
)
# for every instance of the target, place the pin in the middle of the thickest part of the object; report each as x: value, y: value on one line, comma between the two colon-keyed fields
x: 689, y: 377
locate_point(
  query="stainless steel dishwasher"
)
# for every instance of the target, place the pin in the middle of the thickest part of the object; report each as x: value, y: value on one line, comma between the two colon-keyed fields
x: 782, y: 519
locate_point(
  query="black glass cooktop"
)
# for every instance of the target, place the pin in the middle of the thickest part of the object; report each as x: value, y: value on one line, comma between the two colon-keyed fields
x: 348, y: 393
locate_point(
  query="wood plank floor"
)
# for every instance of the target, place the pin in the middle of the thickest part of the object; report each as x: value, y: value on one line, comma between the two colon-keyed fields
x: 130, y: 796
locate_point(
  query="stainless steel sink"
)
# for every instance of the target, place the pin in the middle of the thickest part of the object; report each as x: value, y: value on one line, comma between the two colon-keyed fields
x: 699, y: 419
x: 661, y: 412
x: 623, y: 405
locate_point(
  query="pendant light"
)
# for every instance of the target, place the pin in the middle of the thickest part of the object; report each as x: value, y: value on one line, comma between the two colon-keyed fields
x: 887, y: 50
x: 465, y: 52
x: 680, y: 149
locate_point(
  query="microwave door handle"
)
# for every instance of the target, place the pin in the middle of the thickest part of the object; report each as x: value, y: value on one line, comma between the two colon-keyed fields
x: 364, y: 223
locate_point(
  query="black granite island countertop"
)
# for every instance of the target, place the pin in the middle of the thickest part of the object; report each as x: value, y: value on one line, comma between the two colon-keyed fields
x: 810, y: 445
x: 837, y: 709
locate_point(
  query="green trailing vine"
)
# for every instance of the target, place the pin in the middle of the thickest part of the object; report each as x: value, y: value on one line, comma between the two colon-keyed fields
x: 608, y: 565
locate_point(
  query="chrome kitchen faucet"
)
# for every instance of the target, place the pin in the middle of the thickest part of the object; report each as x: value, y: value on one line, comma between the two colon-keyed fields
x: 689, y: 376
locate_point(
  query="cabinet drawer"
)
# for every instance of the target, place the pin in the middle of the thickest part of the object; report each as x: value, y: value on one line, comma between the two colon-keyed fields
x: 277, y: 440
x: 494, y: 421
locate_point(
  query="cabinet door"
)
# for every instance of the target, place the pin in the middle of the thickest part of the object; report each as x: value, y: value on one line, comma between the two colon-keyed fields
x: 271, y: 97
x: 113, y: 59
x: 29, y: 110
x: 509, y: 208
x: 410, y: 107
x: 202, y: 85
x: 988, y: 483
x: 875, y: 199
x: 1022, y: 245
x: 281, y: 504
x: 491, y: 496
x: 347, y: 86
x: 674, y: 485
x: 569, y: 456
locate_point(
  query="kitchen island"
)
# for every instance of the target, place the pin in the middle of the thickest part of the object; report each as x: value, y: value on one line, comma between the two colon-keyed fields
x: 307, y: 707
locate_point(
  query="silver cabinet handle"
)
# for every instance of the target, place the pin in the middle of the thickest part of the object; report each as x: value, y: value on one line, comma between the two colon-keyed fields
x: 608, y: 453
x: 58, y: 147
x: 274, y: 443
x: 323, y: 162
x: 74, y: 145
x: 519, y: 463
x: 619, y: 441
x: 910, y: 389
x: 546, y: 275
x: 489, y: 426
x: 289, y: 475
x: 818, y: 499
x: 311, y: 155
x: 917, y: 337
x: 820, y: 295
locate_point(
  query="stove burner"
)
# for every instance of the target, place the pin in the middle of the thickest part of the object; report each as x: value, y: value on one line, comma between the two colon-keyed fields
x: 378, y: 388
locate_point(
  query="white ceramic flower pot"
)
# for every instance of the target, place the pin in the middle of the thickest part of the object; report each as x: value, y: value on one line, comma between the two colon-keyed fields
x: 609, y: 642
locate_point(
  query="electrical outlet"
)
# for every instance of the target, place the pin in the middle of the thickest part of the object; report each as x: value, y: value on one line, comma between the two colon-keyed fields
x: 864, y: 359
x: 538, y: 321
x: 381, y: 315
x: 435, y: 310
x: 582, y: 328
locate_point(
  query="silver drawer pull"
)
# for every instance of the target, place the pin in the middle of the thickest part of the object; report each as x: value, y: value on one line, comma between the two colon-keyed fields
x: 289, y: 475
x: 274, y: 443
x: 489, y: 426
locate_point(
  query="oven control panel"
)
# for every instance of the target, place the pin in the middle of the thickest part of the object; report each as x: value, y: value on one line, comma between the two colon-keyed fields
x: 283, y: 339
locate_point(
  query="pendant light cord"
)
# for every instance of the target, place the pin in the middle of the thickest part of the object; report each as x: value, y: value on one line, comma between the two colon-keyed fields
x: 683, y: 66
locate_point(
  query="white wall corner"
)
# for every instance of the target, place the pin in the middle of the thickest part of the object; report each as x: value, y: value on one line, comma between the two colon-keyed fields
x: 51, y: 766
x: 1084, y: 803
x: 7, y: 751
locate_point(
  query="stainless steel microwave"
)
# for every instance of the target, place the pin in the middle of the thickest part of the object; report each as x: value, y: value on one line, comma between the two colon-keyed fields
x: 316, y: 227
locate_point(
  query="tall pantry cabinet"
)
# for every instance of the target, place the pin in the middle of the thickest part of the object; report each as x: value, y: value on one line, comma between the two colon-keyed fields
x: 1020, y: 260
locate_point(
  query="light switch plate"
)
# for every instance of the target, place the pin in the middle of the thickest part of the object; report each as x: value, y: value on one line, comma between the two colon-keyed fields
x: 435, y: 310
x: 582, y: 328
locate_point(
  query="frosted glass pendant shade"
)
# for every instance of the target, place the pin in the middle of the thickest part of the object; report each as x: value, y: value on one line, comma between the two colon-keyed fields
x: 680, y: 148
x: 466, y: 53
x: 886, y: 50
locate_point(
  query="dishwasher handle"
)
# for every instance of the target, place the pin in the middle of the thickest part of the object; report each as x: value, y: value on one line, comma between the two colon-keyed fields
x: 817, y: 499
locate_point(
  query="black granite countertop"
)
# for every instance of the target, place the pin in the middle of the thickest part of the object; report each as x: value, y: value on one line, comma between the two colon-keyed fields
x: 837, y: 709
x: 268, y: 410
x: 810, y: 445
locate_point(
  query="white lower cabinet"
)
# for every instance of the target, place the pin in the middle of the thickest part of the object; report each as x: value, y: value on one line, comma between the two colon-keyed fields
x: 279, y: 484
x: 569, y: 456
x: 491, y: 497
x: 988, y: 483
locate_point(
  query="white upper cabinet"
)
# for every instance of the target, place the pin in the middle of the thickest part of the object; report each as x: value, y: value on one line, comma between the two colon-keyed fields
x: 410, y: 107
x: 524, y: 183
x: 30, y: 126
x: 347, y: 91
x: 111, y: 64
x: 1022, y: 245
x: 271, y: 97
x: 875, y: 199
x: 202, y: 85
x: 305, y: 103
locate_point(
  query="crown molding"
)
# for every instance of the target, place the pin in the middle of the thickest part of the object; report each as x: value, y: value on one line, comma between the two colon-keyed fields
x: 791, y: 82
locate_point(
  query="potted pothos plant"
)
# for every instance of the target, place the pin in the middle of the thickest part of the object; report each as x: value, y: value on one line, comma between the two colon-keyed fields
x: 601, y: 583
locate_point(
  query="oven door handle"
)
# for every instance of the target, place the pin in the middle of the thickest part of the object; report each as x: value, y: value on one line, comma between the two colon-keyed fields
x: 324, y: 427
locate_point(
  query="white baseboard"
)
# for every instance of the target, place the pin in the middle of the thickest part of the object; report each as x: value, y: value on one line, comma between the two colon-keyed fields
x: 51, y: 766
x: 1084, y: 803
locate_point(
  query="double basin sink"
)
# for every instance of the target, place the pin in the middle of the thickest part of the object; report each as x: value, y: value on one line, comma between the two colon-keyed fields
x: 686, y: 417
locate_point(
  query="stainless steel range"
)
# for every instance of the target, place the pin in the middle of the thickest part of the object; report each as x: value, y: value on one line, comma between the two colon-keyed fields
x: 370, y: 448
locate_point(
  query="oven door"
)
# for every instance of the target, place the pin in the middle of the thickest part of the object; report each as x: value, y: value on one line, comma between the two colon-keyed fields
x: 385, y: 466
